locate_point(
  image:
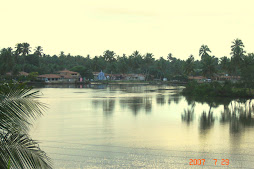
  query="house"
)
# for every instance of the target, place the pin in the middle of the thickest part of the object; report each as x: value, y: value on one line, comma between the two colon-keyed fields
x: 224, y: 77
x: 49, y: 77
x: 22, y: 73
x: 135, y: 77
x: 199, y: 79
x: 69, y: 76
x: 63, y: 76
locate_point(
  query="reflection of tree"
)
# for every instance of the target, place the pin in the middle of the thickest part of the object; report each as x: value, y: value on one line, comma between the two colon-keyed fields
x: 136, y: 104
x: 160, y: 99
x: 211, y: 101
x: 95, y: 103
x: 206, y: 120
x: 148, y: 104
x: 238, y: 115
x: 108, y: 105
x: 188, y: 115
x: 169, y: 101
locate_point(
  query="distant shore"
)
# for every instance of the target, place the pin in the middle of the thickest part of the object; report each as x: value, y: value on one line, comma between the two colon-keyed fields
x: 111, y: 83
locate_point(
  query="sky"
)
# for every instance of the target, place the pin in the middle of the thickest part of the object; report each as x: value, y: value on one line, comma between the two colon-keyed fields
x: 82, y: 27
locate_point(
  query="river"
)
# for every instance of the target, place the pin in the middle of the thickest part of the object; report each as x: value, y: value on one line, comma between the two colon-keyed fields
x: 143, y: 126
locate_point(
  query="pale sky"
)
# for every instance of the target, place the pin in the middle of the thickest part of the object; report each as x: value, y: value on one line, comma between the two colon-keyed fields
x: 82, y: 27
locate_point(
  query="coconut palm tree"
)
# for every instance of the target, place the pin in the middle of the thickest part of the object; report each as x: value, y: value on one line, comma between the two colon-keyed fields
x: 209, y: 66
x: 169, y: 57
x: 6, y: 59
x: 18, y: 106
x: 237, y: 51
x: 25, y: 48
x: 38, y: 51
x: 203, y: 51
x: 19, y: 47
x: 189, y: 65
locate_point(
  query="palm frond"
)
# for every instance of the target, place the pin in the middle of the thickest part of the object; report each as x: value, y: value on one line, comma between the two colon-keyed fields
x: 18, y: 107
x: 22, y: 152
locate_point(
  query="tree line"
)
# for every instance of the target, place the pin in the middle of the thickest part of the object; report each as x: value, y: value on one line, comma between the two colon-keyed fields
x: 23, y: 58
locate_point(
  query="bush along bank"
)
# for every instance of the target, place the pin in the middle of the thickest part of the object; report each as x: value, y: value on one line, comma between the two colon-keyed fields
x: 216, y: 89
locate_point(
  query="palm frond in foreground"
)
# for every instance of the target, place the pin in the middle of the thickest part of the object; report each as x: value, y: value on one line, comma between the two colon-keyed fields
x: 18, y: 107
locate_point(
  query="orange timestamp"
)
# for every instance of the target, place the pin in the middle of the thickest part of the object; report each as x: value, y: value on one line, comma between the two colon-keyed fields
x: 202, y: 162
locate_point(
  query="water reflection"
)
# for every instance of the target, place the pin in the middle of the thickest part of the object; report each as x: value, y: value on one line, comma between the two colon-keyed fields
x: 188, y: 114
x: 238, y: 114
x: 160, y: 99
x: 136, y: 104
x: 140, y: 117
x: 206, y: 121
x: 108, y: 105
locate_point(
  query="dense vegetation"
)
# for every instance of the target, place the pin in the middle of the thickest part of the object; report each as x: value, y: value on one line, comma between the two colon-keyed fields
x: 216, y: 89
x: 23, y: 58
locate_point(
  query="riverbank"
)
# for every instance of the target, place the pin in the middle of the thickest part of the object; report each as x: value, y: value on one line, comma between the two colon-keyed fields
x: 111, y: 83
x: 215, y: 89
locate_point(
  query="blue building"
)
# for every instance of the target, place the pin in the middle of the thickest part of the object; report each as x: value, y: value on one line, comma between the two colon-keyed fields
x: 101, y: 76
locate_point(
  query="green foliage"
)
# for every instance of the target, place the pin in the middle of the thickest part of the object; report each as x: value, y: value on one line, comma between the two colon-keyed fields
x: 33, y: 76
x: 18, y: 107
x: 170, y: 67
x: 84, y: 72
x: 209, y: 64
x: 216, y: 89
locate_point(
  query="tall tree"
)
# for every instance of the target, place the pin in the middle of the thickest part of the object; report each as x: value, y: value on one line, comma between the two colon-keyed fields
x: 170, y: 57
x: 203, y: 51
x: 109, y: 56
x: 237, y: 51
x: 25, y: 48
x: 7, y: 60
x: 135, y: 61
x: 209, y: 64
x: 225, y: 64
x: 38, y: 51
x: 189, y: 65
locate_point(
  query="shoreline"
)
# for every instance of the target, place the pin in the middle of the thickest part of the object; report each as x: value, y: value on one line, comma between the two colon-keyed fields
x: 109, y: 83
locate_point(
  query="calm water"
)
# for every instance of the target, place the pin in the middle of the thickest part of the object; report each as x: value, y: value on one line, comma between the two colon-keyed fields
x: 125, y: 126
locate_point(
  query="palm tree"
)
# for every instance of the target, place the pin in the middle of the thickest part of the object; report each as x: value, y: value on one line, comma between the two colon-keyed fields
x: 203, y: 51
x: 19, y: 47
x: 18, y: 105
x: 7, y: 60
x: 25, y: 48
x: 237, y: 51
x: 109, y: 56
x: 38, y: 51
x: 147, y: 62
x: 189, y: 65
x: 209, y: 66
x: 170, y: 57
x: 225, y: 64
